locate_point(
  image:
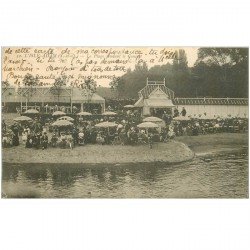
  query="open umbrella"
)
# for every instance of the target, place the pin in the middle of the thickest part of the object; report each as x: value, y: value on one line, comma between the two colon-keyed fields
x: 22, y: 119
x: 31, y: 111
x: 62, y: 123
x: 147, y: 125
x: 106, y: 125
x: 57, y: 113
x: 158, y: 121
x: 109, y: 113
x: 129, y: 106
x: 66, y: 118
x: 84, y: 113
x: 152, y: 119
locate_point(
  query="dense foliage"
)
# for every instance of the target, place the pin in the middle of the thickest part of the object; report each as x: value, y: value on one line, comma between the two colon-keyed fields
x: 218, y: 72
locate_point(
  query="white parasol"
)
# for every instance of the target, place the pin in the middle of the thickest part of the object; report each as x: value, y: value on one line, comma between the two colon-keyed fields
x: 62, y: 123
x: 31, y: 111
x: 152, y: 119
x: 147, y: 125
x: 84, y: 113
x: 22, y: 118
x: 106, y: 125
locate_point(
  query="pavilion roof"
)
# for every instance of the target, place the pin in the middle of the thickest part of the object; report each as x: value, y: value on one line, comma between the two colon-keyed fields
x: 148, y: 89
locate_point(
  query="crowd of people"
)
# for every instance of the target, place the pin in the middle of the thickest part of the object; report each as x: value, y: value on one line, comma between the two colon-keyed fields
x: 40, y: 134
x: 201, y: 127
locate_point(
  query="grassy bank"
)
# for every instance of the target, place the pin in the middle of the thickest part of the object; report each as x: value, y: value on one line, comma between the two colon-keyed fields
x: 215, y: 143
x: 171, y: 152
x: 179, y: 150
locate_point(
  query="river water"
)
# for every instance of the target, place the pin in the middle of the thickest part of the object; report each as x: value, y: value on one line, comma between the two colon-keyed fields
x: 221, y: 176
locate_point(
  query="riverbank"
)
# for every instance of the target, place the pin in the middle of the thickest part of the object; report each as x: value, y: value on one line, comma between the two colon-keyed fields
x: 181, y: 149
x: 171, y: 152
x: 213, y: 144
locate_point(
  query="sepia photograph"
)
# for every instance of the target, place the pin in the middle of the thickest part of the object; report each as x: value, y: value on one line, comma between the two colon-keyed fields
x: 124, y: 122
x: 124, y: 125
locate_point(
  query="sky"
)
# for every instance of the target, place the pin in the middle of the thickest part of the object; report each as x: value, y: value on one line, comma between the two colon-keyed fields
x: 192, y: 55
x: 77, y: 63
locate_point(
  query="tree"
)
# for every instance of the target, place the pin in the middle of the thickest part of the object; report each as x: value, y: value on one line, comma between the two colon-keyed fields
x: 226, y: 71
x: 29, y: 82
x: 58, y: 86
x: 5, y: 85
x: 88, y: 88
x: 181, y: 79
x: 222, y: 56
x: 206, y: 80
x: 134, y: 80
x: 117, y: 85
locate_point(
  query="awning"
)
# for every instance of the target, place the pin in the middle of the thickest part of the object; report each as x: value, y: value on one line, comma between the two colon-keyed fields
x: 158, y: 103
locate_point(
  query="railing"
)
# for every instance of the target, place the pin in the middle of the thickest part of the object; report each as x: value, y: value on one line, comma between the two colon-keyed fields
x: 210, y: 101
x: 51, y: 109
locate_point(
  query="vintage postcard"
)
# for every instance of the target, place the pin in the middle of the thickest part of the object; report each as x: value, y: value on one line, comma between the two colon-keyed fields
x: 124, y: 122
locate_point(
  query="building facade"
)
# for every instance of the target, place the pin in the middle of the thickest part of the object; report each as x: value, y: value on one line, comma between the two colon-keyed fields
x: 155, y: 98
x: 41, y: 96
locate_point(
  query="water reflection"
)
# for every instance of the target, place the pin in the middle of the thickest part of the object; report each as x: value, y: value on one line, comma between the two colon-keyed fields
x: 98, y: 173
x: 10, y: 172
x: 66, y: 175
x: 35, y: 174
x: 221, y: 176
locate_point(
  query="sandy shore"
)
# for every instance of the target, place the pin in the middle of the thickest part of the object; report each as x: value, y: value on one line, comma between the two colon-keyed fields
x: 171, y: 152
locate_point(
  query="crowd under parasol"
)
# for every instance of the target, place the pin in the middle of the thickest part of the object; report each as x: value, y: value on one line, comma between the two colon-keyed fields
x: 66, y: 118
x: 207, y: 117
